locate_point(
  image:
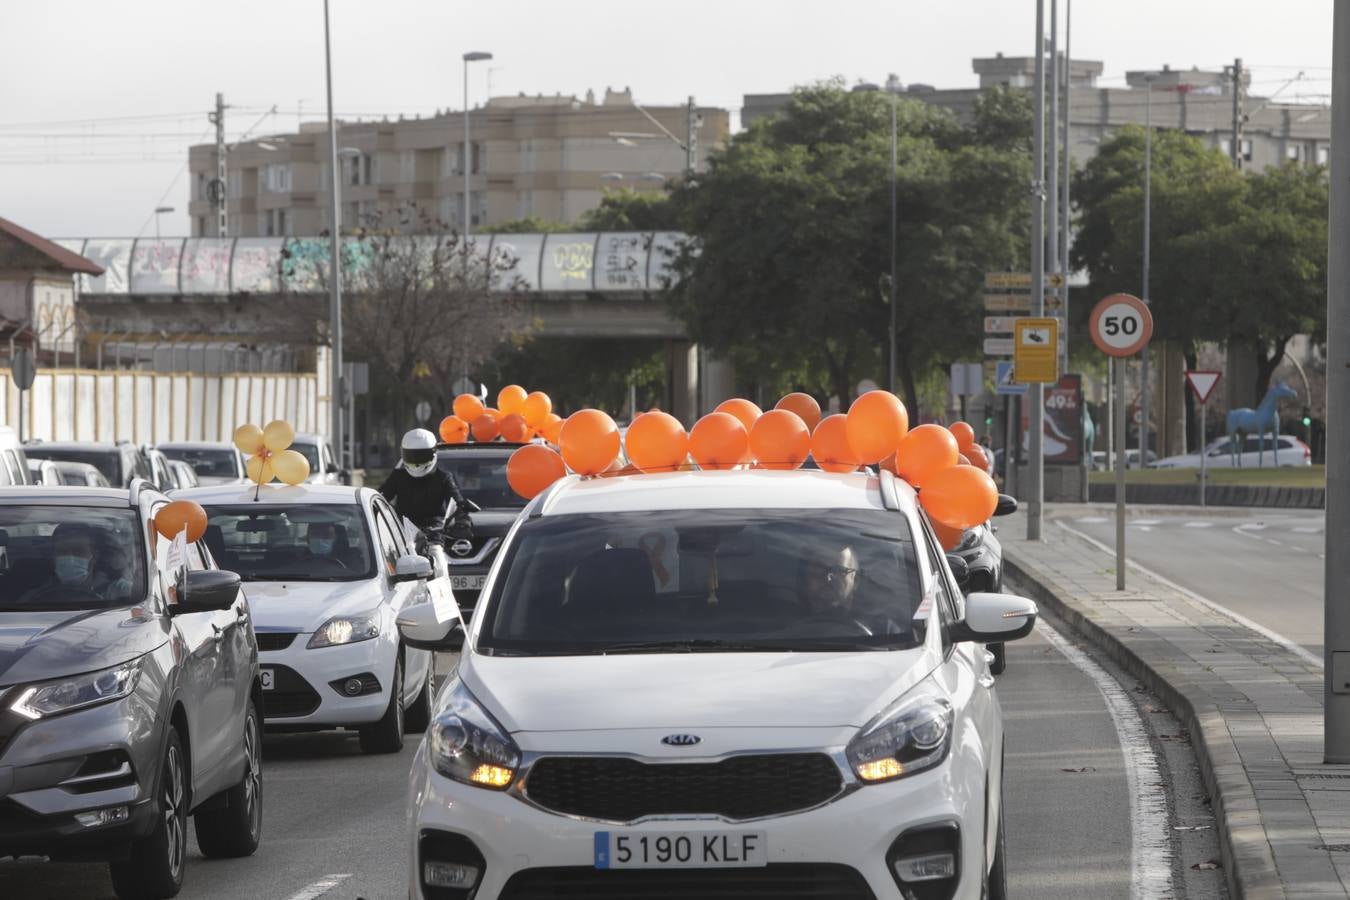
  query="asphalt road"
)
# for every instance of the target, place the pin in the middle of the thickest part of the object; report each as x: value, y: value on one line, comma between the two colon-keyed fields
x: 334, y: 823
x: 1266, y: 565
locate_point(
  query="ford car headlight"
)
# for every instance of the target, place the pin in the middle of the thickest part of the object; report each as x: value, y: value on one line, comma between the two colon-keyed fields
x: 51, y: 698
x: 913, y: 735
x: 466, y: 744
x: 346, y: 630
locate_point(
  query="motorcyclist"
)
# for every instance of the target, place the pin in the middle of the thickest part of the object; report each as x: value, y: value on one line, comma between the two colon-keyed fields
x: 421, y: 492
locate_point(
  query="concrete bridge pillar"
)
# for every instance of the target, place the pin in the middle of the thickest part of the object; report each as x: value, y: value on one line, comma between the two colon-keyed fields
x: 719, y: 382
x: 682, y: 381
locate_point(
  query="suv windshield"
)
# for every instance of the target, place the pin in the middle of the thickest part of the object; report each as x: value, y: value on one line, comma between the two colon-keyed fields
x: 109, y: 462
x: 319, y: 542
x: 206, y: 463
x: 482, y: 478
x: 311, y: 453
x: 70, y: 557
x: 708, y: 580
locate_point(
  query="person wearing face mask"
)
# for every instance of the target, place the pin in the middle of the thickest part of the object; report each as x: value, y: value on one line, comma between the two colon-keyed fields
x: 322, y: 540
x: 75, y: 558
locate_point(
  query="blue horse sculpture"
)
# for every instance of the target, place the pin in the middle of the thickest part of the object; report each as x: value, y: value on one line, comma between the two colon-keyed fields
x: 1265, y: 418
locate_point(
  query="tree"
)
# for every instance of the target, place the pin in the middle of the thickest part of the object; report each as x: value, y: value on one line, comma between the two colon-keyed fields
x: 790, y: 238
x: 585, y: 372
x: 527, y: 225
x: 630, y: 210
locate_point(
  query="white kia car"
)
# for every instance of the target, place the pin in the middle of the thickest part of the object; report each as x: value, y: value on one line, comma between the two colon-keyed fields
x: 328, y: 569
x: 716, y: 685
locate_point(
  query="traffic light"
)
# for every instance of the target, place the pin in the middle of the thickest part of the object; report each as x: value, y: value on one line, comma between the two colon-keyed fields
x: 1307, y: 417
x: 988, y: 419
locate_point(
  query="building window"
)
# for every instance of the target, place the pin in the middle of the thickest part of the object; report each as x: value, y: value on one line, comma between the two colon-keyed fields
x: 1291, y: 153
x: 476, y: 157
x: 1323, y: 154
x: 276, y: 179
x: 201, y: 226
x: 1246, y: 149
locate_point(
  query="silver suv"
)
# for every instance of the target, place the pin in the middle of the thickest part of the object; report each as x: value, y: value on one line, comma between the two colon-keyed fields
x: 129, y: 690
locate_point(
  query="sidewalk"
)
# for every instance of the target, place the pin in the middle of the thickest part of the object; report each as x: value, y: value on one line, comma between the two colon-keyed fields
x: 1253, y: 708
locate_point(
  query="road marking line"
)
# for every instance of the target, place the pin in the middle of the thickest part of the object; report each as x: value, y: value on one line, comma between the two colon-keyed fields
x: 1301, y: 652
x: 1147, y: 522
x: 1093, y: 520
x: 1307, y: 529
x: 1150, y: 849
x: 1199, y: 524
x: 319, y: 888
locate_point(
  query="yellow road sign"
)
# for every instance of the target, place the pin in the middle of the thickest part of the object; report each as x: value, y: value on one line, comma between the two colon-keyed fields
x: 1036, y: 350
x: 1017, y: 302
x: 1020, y: 280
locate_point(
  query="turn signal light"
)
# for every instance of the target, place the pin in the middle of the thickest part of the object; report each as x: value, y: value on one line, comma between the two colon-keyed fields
x: 492, y: 776
x: 880, y: 769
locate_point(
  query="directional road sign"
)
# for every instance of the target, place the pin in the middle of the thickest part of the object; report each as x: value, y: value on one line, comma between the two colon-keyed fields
x: 1020, y: 280
x: 1004, y: 383
x: 999, y: 324
x: 998, y: 346
x: 1202, y: 384
x: 1036, y: 350
x: 967, y: 379
x: 1017, y: 302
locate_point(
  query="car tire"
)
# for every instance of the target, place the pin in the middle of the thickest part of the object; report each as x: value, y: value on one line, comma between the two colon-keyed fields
x: 1000, y: 658
x: 386, y: 735
x: 234, y: 829
x: 418, y: 717
x: 155, y: 867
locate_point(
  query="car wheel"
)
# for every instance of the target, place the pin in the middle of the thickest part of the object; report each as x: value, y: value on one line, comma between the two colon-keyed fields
x: 418, y: 716
x: 155, y: 866
x: 1000, y: 658
x: 235, y: 828
x: 386, y: 735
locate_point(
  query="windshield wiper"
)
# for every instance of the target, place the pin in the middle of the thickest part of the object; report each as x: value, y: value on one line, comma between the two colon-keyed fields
x: 710, y: 645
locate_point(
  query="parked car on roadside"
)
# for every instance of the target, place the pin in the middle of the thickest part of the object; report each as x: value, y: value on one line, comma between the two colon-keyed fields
x: 323, y: 466
x: 45, y: 472
x: 981, y: 552
x: 716, y: 684
x: 184, y: 476
x: 119, y: 461
x: 160, y: 476
x: 14, y: 468
x: 1100, y: 461
x: 81, y: 474
x: 215, y: 462
x: 328, y: 569
x: 129, y: 691
x: 1219, y: 455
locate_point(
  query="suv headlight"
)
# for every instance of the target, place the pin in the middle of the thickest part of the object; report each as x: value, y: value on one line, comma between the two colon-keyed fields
x: 970, y: 539
x: 466, y: 744
x: 51, y: 698
x: 914, y: 734
x: 346, y: 630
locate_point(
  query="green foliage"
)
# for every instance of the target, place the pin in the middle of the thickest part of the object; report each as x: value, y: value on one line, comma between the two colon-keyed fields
x: 630, y: 210
x: 527, y: 225
x: 584, y: 372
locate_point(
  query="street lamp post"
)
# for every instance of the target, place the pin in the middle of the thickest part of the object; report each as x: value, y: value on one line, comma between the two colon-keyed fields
x: 892, y: 88
x: 474, y: 56
x: 158, y: 210
x: 1148, y: 214
x: 335, y: 385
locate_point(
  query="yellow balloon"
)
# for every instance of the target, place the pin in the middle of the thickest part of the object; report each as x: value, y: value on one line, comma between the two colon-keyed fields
x: 278, y: 435
x: 290, y: 466
x: 249, y: 439
x: 260, y: 470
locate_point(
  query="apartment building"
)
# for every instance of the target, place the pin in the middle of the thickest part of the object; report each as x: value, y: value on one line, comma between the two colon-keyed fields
x: 550, y: 157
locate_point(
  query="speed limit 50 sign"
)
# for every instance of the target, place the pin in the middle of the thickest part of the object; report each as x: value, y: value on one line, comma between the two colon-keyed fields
x: 1121, y: 325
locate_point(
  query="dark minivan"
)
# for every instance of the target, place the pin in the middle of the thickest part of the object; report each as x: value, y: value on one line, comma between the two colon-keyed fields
x: 480, y: 471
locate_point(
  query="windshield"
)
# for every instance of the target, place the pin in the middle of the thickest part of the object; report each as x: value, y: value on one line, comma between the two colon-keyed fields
x: 311, y: 453
x: 320, y: 542
x: 207, y: 463
x: 109, y: 462
x: 482, y: 479
x: 70, y: 557
x: 708, y: 579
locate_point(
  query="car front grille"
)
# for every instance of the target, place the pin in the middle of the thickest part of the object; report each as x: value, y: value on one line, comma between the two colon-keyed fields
x: 274, y: 640
x: 291, y: 695
x: 741, y: 787
x: 786, y: 881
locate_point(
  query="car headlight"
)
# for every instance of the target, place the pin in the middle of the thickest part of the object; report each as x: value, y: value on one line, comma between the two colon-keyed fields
x: 346, y: 630
x: 914, y: 734
x: 466, y: 744
x: 51, y: 698
x: 969, y: 539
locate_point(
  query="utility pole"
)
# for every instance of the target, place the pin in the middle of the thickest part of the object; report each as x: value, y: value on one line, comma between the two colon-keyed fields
x: 1336, y: 599
x: 1035, y: 492
x: 1237, y: 113
x: 1144, y: 384
x: 217, y: 118
x: 1064, y: 185
x: 335, y: 376
x: 691, y: 123
x: 892, y: 87
x: 1052, y: 149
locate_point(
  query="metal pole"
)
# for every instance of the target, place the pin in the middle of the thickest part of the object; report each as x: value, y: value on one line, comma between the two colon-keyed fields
x: 1117, y: 365
x: 1110, y: 417
x: 1064, y: 185
x: 1009, y: 436
x: 1144, y: 383
x: 1237, y: 114
x: 222, y: 228
x: 1052, y: 149
x: 690, y: 140
x: 1036, y: 392
x: 334, y: 268
x: 1203, y: 465
x: 468, y: 163
x: 1337, y: 607
x: 894, y: 229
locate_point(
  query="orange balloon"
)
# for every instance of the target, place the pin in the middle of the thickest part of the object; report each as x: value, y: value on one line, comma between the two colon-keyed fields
x: 962, y: 459
x: 924, y: 452
x: 830, y: 446
x: 537, y: 408
x: 485, y: 427
x: 454, y: 430
x: 977, y: 457
x: 804, y: 405
x: 533, y: 468
x: 949, y: 538
x: 589, y: 441
x: 511, y: 399
x: 468, y: 407
x: 552, y: 428
x: 964, y: 434
x: 780, y: 440
x: 876, y: 422
x: 718, y: 441
x: 179, y: 515
x: 515, y: 429
x: 656, y: 442
x: 743, y: 410
x: 889, y: 465
x: 959, y: 497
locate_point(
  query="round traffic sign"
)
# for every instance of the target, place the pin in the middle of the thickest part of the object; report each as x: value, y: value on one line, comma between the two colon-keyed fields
x: 1121, y: 325
x: 22, y: 370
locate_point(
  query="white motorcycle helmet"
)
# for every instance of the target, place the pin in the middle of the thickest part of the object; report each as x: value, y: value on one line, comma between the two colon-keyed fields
x: 419, y: 452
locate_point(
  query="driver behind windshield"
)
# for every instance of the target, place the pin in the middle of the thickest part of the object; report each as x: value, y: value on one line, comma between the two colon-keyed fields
x: 830, y: 583
x: 80, y: 565
x: 322, y: 540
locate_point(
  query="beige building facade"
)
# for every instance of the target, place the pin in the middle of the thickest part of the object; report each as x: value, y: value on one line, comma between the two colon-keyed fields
x: 548, y: 157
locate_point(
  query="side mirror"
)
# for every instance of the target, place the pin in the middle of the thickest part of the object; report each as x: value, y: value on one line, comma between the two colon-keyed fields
x: 1007, y: 505
x: 412, y: 568
x: 995, y: 618
x: 423, y: 628
x: 207, y: 590
x: 960, y: 569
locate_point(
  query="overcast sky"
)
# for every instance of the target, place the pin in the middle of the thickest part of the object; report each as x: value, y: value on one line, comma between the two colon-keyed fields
x: 101, y: 70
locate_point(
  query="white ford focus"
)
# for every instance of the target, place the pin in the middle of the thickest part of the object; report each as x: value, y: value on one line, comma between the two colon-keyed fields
x: 716, y: 685
x: 328, y: 569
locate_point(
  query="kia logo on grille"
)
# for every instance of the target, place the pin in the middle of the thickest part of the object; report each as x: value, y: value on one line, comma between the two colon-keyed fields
x: 681, y: 740
x: 461, y: 547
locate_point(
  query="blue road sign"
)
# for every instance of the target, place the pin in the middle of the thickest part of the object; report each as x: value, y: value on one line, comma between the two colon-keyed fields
x: 1003, y: 383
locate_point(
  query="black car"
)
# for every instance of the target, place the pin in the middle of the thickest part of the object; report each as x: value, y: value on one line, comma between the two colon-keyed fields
x: 480, y: 471
x: 129, y: 690
x: 982, y: 553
